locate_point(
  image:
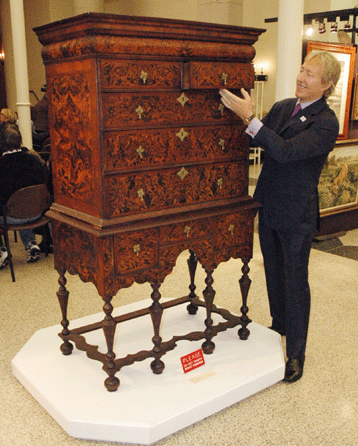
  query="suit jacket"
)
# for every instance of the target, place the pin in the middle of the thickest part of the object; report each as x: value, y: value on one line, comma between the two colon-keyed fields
x: 295, y: 151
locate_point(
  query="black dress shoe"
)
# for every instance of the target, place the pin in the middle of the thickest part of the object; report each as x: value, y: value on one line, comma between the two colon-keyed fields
x: 280, y: 331
x: 294, y: 370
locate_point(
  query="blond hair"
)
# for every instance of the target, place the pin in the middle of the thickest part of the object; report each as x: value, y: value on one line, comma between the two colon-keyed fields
x: 331, y: 68
x: 11, y: 116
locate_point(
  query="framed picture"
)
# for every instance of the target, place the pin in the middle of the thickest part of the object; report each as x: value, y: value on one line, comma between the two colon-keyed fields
x: 338, y: 184
x: 340, y: 100
x: 354, y: 116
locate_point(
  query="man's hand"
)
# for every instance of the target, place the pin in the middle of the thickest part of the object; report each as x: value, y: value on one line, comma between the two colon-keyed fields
x: 242, y: 107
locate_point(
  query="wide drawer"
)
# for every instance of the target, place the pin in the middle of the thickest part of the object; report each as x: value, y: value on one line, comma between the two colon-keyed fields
x: 140, y: 149
x: 135, y: 108
x: 173, y: 187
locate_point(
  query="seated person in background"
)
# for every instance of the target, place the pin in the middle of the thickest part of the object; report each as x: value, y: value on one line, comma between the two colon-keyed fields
x: 18, y: 169
x: 9, y: 116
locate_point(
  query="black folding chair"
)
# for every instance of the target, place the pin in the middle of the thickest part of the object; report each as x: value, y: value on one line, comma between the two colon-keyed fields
x: 27, y: 202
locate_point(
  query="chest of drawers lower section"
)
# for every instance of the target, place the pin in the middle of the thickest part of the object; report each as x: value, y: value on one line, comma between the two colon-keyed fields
x: 141, y: 252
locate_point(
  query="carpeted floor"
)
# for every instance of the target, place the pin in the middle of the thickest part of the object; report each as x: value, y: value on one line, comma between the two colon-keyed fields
x: 336, y: 246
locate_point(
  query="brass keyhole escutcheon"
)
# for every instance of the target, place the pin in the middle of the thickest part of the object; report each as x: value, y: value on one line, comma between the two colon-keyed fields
x: 182, y: 99
x: 182, y: 134
x: 182, y: 173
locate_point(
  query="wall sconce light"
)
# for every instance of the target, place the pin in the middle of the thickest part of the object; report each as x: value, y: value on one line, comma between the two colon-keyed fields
x: 334, y: 27
x: 309, y: 32
x: 2, y: 55
x: 262, y: 76
x: 322, y: 28
x: 347, y: 26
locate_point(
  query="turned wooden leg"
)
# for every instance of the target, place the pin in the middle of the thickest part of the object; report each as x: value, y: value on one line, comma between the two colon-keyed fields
x: 245, y: 283
x: 208, y: 346
x: 156, y: 311
x: 62, y: 295
x: 109, y: 328
x: 192, y: 264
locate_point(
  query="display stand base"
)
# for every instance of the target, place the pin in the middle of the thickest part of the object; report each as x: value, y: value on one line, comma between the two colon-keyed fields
x: 146, y: 407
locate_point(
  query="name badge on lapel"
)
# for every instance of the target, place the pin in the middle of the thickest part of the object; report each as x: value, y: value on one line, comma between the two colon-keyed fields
x: 302, y: 118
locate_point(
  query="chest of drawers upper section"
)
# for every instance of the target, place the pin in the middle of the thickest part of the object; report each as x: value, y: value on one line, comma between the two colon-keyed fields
x: 136, y: 117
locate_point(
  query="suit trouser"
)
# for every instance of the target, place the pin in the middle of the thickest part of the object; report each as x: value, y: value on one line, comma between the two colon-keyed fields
x: 286, y: 255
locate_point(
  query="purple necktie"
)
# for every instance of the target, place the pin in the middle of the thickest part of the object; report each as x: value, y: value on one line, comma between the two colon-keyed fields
x: 296, y: 109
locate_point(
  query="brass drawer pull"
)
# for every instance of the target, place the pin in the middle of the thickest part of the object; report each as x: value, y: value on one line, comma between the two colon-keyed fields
x: 143, y: 76
x: 221, y: 109
x: 231, y: 229
x: 140, y: 111
x: 141, y: 194
x: 136, y: 249
x: 224, y: 78
x: 222, y: 144
x: 220, y: 182
x: 140, y: 152
x: 187, y: 230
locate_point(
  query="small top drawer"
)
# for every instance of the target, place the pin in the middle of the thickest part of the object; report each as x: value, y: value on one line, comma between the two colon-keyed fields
x: 127, y: 74
x: 198, y: 75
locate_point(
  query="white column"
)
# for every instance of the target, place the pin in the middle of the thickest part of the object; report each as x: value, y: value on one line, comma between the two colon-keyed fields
x: 83, y: 6
x: 289, y: 47
x: 21, y: 74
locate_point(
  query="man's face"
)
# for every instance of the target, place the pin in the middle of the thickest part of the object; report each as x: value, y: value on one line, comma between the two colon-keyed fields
x: 309, y: 85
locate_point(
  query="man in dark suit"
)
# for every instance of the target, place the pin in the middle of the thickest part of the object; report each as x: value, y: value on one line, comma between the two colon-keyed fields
x: 297, y: 135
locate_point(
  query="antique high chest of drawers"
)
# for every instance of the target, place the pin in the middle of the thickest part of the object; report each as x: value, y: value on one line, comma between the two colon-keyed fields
x: 147, y: 163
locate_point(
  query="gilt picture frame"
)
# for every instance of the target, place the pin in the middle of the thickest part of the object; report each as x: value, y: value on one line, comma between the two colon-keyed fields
x: 340, y: 100
x: 354, y: 115
x: 338, y: 184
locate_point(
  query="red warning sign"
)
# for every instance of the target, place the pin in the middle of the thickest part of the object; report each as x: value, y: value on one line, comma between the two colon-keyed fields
x: 192, y: 361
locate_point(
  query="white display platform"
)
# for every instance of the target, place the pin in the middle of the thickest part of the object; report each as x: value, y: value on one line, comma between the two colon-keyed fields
x: 146, y: 407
